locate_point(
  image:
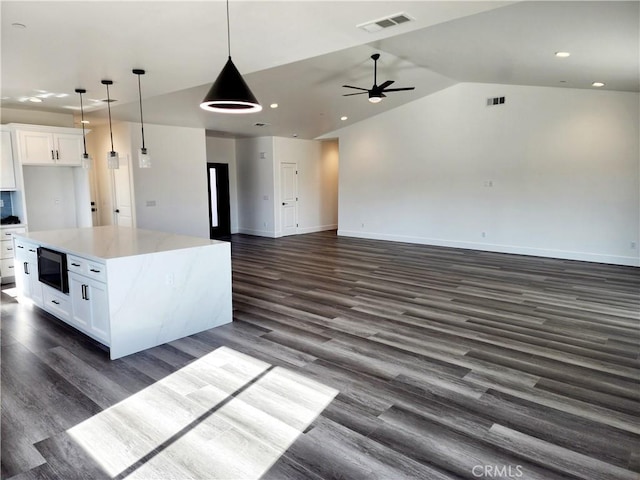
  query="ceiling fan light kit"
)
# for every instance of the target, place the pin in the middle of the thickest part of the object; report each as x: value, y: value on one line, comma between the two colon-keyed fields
x: 377, y: 92
x: 230, y: 93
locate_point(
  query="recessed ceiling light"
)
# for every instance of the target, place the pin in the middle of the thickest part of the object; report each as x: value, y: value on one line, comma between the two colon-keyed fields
x: 274, y: 105
x: 597, y: 84
x: 563, y: 54
x: 84, y: 121
x: 35, y: 99
x: 343, y: 118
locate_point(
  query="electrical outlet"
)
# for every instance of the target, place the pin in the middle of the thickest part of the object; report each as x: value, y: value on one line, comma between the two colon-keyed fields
x: 484, y: 234
x: 170, y: 279
x: 151, y: 203
x: 633, y: 245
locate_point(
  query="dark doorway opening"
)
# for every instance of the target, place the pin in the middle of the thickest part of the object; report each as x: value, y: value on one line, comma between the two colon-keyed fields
x: 219, y: 209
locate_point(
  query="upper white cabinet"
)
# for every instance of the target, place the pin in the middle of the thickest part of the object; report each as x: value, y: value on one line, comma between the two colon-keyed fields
x: 53, y: 147
x: 7, y: 170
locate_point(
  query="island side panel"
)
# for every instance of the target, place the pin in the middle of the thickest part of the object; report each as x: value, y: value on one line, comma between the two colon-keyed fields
x: 159, y: 297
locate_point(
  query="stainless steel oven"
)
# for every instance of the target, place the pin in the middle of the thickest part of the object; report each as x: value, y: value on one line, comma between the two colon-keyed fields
x: 52, y: 269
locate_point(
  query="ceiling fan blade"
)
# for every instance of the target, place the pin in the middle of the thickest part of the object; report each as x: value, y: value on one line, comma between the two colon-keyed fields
x: 350, y: 94
x: 398, y: 89
x: 386, y: 84
x: 357, y: 88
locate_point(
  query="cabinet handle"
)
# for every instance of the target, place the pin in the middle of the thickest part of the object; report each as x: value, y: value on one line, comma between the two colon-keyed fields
x: 9, y: 248
x: 32, y: 250
x: 57, y: 155
x: 26, y: 267
x: 52, y: 157
x: 19, y: 246
x: 85, y: 292
x: 94, y: 270
x: 10, y: 267
x: 75, y: 264
x: 7, y: 233
x: 55, y: 301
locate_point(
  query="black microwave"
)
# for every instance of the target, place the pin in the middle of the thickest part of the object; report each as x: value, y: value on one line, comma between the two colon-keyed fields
x: 52, y: 269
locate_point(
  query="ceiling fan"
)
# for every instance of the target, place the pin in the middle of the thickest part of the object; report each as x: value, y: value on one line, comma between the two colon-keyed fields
x: 377, y: 92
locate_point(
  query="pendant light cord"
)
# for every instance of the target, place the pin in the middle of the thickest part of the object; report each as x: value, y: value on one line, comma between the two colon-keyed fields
x: 141, y: 121
x: 228, y: 31
x: 84, y: 139
x: 109, y: 108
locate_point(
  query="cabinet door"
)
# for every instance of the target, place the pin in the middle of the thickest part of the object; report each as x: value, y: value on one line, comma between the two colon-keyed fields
x: 35, y: 287
x: 89, y: 306
x: 36, y: 148
x: 68, y: 149
x: 97, y: 293
x: 80, y: 307
x: 7, y: 171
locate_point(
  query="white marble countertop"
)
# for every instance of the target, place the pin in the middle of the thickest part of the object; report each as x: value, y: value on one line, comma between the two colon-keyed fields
x: 104, y: 243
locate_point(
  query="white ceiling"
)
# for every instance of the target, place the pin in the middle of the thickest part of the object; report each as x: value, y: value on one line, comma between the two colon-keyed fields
x: 300, y: 53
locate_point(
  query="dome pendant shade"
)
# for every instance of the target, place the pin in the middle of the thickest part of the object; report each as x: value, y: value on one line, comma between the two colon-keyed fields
x: 230, y: 93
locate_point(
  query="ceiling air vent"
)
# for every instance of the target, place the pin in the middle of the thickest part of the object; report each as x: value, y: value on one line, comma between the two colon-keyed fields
x: 495, y: 101
x: 386, y: 22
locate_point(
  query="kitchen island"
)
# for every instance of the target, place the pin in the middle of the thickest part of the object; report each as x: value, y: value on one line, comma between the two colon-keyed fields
x: 130, y: 289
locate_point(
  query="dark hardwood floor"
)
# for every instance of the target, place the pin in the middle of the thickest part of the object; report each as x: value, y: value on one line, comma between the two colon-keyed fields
x: 437, y: 363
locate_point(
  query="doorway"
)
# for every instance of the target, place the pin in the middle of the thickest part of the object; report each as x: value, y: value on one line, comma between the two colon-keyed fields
x: 289, y: 198
x: 123, y: 210
x: 219, y: 207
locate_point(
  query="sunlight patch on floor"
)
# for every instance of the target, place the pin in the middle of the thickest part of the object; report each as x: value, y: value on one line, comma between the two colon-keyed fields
x: 225, y: 415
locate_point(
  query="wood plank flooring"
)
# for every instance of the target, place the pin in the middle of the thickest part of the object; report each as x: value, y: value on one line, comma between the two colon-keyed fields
x: 422, y: 363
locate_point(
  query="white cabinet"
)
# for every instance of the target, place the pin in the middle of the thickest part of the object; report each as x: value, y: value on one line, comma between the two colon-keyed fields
x: 36, y: 147
x: 7, y: 169
x: 26, y: 271
x: 7, y: 251
x: 89, y: 297
x: 89, y: 306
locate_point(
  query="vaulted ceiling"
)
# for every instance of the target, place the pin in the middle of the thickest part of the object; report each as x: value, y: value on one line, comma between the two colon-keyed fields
x: 298, y: 54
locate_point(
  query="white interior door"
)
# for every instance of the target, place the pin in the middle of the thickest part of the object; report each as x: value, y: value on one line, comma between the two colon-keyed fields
x: 122, y: 197
x: 289, y: 198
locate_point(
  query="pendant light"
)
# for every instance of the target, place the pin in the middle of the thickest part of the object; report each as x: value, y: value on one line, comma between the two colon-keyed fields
x: 144, y: 159
x: 86, y: 159
x: 113, y: 161
x: 230, y: 93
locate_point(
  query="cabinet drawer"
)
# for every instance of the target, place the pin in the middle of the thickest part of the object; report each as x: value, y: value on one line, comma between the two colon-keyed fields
x: 26, y: 251
x: 6, y: 268
x: 6, y: 249
x: 76, y: 264
x: 56, y: 302
x: 7, y: 233
x: 86, y: 267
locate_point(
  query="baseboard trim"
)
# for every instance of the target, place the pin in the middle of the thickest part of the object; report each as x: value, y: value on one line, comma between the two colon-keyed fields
x: 513, y: 249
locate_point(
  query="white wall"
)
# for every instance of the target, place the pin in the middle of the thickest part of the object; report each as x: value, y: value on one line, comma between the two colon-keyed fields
x: 256, y: 213
x: 176, y: 182
x: 223, y: 150
x: 36, y: 117
x: 317, y: 183
x: 50, y: 197
x: 552, y: 172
